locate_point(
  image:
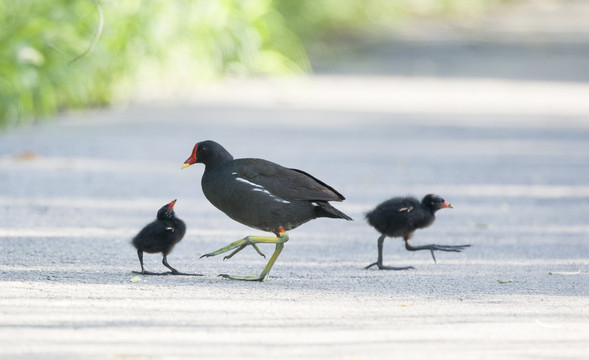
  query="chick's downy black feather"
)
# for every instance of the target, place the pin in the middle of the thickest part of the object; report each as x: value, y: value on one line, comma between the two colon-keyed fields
x: 160, y: 236
x: 400, y: 217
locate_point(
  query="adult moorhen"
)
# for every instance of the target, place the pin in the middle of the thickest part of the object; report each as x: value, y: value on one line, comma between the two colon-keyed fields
x: 263, y: 195
x: 400, y: 217
x: 161, y: 235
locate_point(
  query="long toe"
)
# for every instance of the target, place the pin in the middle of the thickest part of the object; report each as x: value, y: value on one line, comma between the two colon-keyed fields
x: 238, y: 246
x: 186, y: 274
x: 243, y: 278
x: 451, y: 248
x: 383, y: 267
x: 235, y: 252
x: 371, y: 265
x: 152, y: 273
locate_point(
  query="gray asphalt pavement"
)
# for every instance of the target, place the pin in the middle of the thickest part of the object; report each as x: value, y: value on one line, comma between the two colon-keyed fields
x: 511, y: 155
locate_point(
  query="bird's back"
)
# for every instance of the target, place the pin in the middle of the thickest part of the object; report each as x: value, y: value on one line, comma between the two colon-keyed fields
x: 265, y: 195
x: 160, y: 235
x: 399, y: 216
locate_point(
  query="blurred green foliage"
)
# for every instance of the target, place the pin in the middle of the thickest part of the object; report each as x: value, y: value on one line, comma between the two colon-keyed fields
x: 323, y: 18
x: 146, y: 40
x: 194, y: 39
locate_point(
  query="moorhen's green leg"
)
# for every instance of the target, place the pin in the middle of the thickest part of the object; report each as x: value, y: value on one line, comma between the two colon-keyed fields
x: 281, y: 238
x: 248, y: 241
x: 379, y: 261
x: 434, y: 247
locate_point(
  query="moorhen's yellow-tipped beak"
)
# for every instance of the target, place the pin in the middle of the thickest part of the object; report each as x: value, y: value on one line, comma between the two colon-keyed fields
x: 448, y: 205
x: 192, y: 159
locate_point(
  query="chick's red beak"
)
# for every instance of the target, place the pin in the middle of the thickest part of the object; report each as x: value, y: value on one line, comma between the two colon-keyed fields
x: 171, y: 205
x: 448, y: 205
x: 192, y: 159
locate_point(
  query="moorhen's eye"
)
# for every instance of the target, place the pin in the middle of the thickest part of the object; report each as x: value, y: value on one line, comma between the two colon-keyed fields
x: 277, y: 199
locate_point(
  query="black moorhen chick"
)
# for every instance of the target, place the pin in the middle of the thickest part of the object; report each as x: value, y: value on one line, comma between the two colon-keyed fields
x: 400, y: 217
x: 160, y: 235
x: 263, y: 195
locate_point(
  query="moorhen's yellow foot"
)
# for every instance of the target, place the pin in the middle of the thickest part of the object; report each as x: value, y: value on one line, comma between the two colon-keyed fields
x: 238, y: 246
x: 279, y: 241
x: 243, y: 278
x: 261, y: 194
x: 248, y: 241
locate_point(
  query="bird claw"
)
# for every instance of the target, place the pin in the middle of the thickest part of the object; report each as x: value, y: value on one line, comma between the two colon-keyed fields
x: 448, y: 248
x: 244, y: 278
x: 238, y: 246
x: 152, y: 273
x: 369, y: 266
x: 451, y: 248
x: 186, y: 274
x: 383, y: 267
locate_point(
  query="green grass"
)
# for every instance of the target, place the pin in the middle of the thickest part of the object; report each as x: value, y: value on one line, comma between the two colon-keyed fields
x: 144, y: 41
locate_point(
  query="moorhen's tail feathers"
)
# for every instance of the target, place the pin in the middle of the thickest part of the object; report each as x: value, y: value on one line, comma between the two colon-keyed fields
x: 263, y: 195
x: 324, y: 209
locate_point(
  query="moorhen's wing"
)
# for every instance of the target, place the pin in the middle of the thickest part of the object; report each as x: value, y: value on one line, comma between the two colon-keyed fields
x: 289, y: 184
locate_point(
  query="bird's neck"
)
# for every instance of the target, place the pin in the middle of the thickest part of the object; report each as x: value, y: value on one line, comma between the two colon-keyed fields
x: 430, y: 209
x: 218, y: 158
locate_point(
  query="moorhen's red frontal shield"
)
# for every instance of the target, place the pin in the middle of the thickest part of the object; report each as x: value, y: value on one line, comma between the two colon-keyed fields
x: 263, y: 195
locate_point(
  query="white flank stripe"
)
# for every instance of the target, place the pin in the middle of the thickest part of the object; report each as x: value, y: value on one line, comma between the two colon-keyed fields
x: 261, y: 189
x: 279, y: 199
x: 248, y: 182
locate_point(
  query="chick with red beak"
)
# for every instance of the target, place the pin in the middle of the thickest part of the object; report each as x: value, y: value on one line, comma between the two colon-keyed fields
x: 160, y: 236
x: 263, y: 195
x: 400, y: 217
